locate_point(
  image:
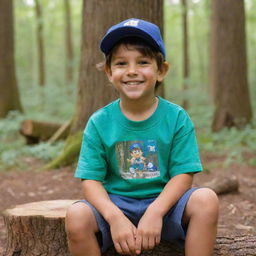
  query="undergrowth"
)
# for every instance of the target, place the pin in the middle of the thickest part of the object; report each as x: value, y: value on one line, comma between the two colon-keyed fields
x: 52, y: 104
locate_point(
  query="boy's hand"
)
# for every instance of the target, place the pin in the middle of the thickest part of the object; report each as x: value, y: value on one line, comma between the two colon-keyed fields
x: 148, y: 231
x: 123, y: 235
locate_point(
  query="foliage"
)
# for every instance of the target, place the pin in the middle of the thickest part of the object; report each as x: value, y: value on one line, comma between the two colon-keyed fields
x: 238, y: 145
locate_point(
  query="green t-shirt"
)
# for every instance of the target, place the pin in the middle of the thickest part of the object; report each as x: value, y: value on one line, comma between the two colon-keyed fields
x: 137, y: 158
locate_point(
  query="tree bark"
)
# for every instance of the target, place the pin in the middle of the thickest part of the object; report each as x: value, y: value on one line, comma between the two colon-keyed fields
x: 185, y: 51
x: 228, y: 68
x: 38, y: 229
x: 68, y: 42
x: 94, y: 90
x: 9, y: 93
x: 40, y: 43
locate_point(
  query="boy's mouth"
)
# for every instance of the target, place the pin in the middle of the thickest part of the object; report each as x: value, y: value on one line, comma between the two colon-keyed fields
x: 133, y: 82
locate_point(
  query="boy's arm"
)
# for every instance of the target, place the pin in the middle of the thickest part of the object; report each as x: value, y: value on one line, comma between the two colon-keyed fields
x: 150, y: 226
x: 122, y: 230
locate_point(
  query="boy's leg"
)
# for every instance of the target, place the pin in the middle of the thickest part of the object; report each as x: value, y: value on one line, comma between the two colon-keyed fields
x: 201, y: 216
x: 81, y: 227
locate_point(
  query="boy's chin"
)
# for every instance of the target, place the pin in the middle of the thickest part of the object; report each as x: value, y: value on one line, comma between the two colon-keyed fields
x: 136, y: 95
x: 133, y: 97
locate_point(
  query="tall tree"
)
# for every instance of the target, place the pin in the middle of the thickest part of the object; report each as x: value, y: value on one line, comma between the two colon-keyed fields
x: 9, y: 94
x: 98, y: 16
x: 228, y: 69
x: 185, y: 51
x: 94, y: 90
x: 40, y: 43
x: 68, y: 41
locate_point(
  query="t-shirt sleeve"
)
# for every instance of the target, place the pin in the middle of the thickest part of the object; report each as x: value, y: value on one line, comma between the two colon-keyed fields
x: 184, y: 155
x: 92, y: 159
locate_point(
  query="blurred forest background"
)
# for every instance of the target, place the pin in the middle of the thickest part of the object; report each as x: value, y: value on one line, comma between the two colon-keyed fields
x: 42, y: 34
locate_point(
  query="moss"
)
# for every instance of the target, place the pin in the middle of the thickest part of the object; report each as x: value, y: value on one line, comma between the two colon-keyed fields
x: 70, y: 152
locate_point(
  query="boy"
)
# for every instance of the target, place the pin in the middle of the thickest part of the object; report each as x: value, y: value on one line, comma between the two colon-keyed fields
x: 138, y: 158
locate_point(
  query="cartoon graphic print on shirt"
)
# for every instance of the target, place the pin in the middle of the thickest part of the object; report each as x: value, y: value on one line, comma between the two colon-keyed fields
x: 138, y: 159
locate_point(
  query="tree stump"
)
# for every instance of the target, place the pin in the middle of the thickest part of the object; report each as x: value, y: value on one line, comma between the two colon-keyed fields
x: 38, y: 229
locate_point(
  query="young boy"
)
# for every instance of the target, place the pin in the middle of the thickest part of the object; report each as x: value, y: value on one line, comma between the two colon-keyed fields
x: 137, y: 160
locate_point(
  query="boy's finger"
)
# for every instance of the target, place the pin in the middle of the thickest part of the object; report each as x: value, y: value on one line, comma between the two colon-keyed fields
x: 125, y: 248
x: 131, y: 245
x: 138, y: 244
x: 158, y: 239
x: 118, y: 248
x: 151, y: 242
x: 145, y: 243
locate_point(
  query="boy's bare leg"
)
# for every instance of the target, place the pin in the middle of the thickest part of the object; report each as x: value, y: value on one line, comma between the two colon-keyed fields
x: 81, y: 227
x: 201, y: 214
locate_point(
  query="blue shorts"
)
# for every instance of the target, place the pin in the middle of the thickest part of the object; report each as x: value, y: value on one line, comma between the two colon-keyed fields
x: 134, y: 208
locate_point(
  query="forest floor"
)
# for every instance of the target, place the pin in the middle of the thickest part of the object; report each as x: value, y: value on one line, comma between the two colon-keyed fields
x: 237, y: 210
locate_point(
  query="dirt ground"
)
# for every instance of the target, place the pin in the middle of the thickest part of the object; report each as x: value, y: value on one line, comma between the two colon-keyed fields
x: 237, y: 210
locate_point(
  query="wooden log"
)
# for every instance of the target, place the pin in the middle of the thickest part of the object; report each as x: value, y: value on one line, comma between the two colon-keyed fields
x: 38, y: 229
x: 61, y: 133
x: 223, y: 185
x: 36, y: 131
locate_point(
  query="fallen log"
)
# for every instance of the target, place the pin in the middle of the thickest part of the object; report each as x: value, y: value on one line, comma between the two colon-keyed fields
x: 61, y: 133
x: 36, y: 131
x: 38, y: 229
x: 223, y: 185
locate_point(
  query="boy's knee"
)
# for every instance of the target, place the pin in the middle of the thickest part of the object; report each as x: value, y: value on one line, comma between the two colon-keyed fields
x: 204, y: 201
x: 79, y: 220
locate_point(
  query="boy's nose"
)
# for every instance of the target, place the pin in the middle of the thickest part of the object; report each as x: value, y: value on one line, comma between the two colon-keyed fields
x: 132, y: 70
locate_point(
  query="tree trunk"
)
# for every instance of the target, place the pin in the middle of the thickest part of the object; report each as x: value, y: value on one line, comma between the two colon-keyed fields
x: 9, y: 94
x: 68, y: 42
x: 40, y: 43
x: 228, y: 70
x: 94, y: 90
x: 185, y: 52
x: 38, y: 229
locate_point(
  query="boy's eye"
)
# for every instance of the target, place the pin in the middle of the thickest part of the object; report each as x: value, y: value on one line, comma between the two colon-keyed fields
x: 143, y: 62
x: 120, y: 63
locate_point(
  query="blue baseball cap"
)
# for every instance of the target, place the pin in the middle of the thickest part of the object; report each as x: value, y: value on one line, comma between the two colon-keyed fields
x: 133, y: 27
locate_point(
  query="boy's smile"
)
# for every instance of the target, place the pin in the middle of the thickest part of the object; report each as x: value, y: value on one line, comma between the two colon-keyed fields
x: 133, y: 74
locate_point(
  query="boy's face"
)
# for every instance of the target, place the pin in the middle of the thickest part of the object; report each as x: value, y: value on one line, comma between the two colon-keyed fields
x: 133, y: 74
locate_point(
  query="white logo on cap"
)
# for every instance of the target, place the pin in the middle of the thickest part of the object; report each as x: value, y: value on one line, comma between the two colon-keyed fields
x: 133, y: 23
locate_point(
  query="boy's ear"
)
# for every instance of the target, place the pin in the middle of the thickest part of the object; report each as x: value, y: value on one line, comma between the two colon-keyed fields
x: 163, y: 71
x: 108, y: 72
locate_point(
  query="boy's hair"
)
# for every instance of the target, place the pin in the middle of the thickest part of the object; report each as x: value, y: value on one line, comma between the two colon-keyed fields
x: 141, y: 46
